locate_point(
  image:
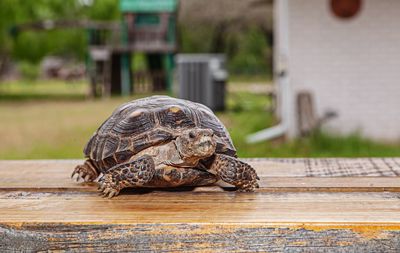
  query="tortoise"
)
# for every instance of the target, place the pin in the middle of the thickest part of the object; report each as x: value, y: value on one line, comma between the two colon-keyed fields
x: 161, y: 141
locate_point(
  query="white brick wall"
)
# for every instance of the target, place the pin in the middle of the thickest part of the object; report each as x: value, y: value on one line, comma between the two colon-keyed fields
x: 351, y: 66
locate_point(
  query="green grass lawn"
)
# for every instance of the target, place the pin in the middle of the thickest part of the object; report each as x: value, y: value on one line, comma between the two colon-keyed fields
x: 23, y: 90
x: 47, y: 119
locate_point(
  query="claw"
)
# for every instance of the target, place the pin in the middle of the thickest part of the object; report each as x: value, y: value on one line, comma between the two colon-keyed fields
x: 103, y: 192
x: 106, y: 191
x: 86, y: 179
x: 102, y: 187
x: 112, y: 194
x: 73, y: 174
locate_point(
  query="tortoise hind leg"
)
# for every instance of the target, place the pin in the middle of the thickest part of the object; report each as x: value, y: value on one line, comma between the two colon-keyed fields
x: 86, y: 171
x: 235, y: 172
x: 129, y: 174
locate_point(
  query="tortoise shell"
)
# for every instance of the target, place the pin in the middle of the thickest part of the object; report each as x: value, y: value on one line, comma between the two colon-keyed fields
x: 147, y: 122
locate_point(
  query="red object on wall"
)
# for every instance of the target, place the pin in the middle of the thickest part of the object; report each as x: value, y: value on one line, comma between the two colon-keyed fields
x: 345, y: 8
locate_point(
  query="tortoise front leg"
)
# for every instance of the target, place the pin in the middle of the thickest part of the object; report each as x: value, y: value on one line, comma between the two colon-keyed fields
x: 129, y: 174
x: 86, y: 171
x: 235, y: 172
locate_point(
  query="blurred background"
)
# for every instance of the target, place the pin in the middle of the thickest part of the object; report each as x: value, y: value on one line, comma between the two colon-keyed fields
x: 289, y: 78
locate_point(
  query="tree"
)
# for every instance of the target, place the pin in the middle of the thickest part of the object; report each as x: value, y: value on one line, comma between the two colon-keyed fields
x: 31, y: 46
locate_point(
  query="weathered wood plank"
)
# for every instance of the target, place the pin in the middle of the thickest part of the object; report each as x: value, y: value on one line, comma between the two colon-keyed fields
x: 200, y: 237
x: 276, y: 175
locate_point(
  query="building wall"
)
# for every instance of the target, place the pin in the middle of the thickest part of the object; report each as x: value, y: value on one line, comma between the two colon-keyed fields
x: 351, y: 66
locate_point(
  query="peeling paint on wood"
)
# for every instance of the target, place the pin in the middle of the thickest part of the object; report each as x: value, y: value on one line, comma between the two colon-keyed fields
x: 196, y: 237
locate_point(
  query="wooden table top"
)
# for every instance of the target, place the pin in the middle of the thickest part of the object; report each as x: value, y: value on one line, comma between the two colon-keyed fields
x: 357, y: 199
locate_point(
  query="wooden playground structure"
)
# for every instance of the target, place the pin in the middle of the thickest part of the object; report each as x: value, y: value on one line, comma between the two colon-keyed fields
x: 147, y: 27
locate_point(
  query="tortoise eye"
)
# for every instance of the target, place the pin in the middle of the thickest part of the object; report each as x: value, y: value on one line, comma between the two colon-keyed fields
x: 191, y: 135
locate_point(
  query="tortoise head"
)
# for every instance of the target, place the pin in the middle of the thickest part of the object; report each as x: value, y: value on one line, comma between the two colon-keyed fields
x: 196, y: 143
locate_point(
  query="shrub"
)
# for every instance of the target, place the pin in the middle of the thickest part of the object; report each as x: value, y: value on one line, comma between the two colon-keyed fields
x: 253, y: 54
x: 28, y: 70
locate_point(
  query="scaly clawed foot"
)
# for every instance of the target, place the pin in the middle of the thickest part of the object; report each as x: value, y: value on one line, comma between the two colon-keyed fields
x: 235, y: 172
x: 85, y: 172
x: 130, y: 174
x: 108, y: 186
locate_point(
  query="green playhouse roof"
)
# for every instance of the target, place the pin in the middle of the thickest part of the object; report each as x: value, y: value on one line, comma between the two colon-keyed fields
x: 148, y: 5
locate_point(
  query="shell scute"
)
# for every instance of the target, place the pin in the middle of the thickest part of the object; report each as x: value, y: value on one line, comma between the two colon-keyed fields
x: 160, y: 136
x: 110, y: 146
x: 124, y: 144
x: 89, y: 145
x: 140, y: 143
x: 136, y: 122
x: 109, y: 162
x: 97, y: 148
x: 175, y: 117
x: 123, y: 156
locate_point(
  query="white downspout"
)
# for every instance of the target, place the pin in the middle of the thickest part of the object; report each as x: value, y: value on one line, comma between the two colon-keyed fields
x: 283, y: 127
x: 281, y: 29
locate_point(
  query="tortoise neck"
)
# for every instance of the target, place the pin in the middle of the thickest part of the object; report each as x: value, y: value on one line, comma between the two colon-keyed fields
x: 187, y: 158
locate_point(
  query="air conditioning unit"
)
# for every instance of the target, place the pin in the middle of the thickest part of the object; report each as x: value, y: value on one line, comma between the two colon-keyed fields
x: 201, y: 78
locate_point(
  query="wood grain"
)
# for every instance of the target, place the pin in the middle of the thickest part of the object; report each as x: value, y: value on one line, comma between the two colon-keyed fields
x: 378, y: 174
x: 303, y: 205
x: 189, y: 207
